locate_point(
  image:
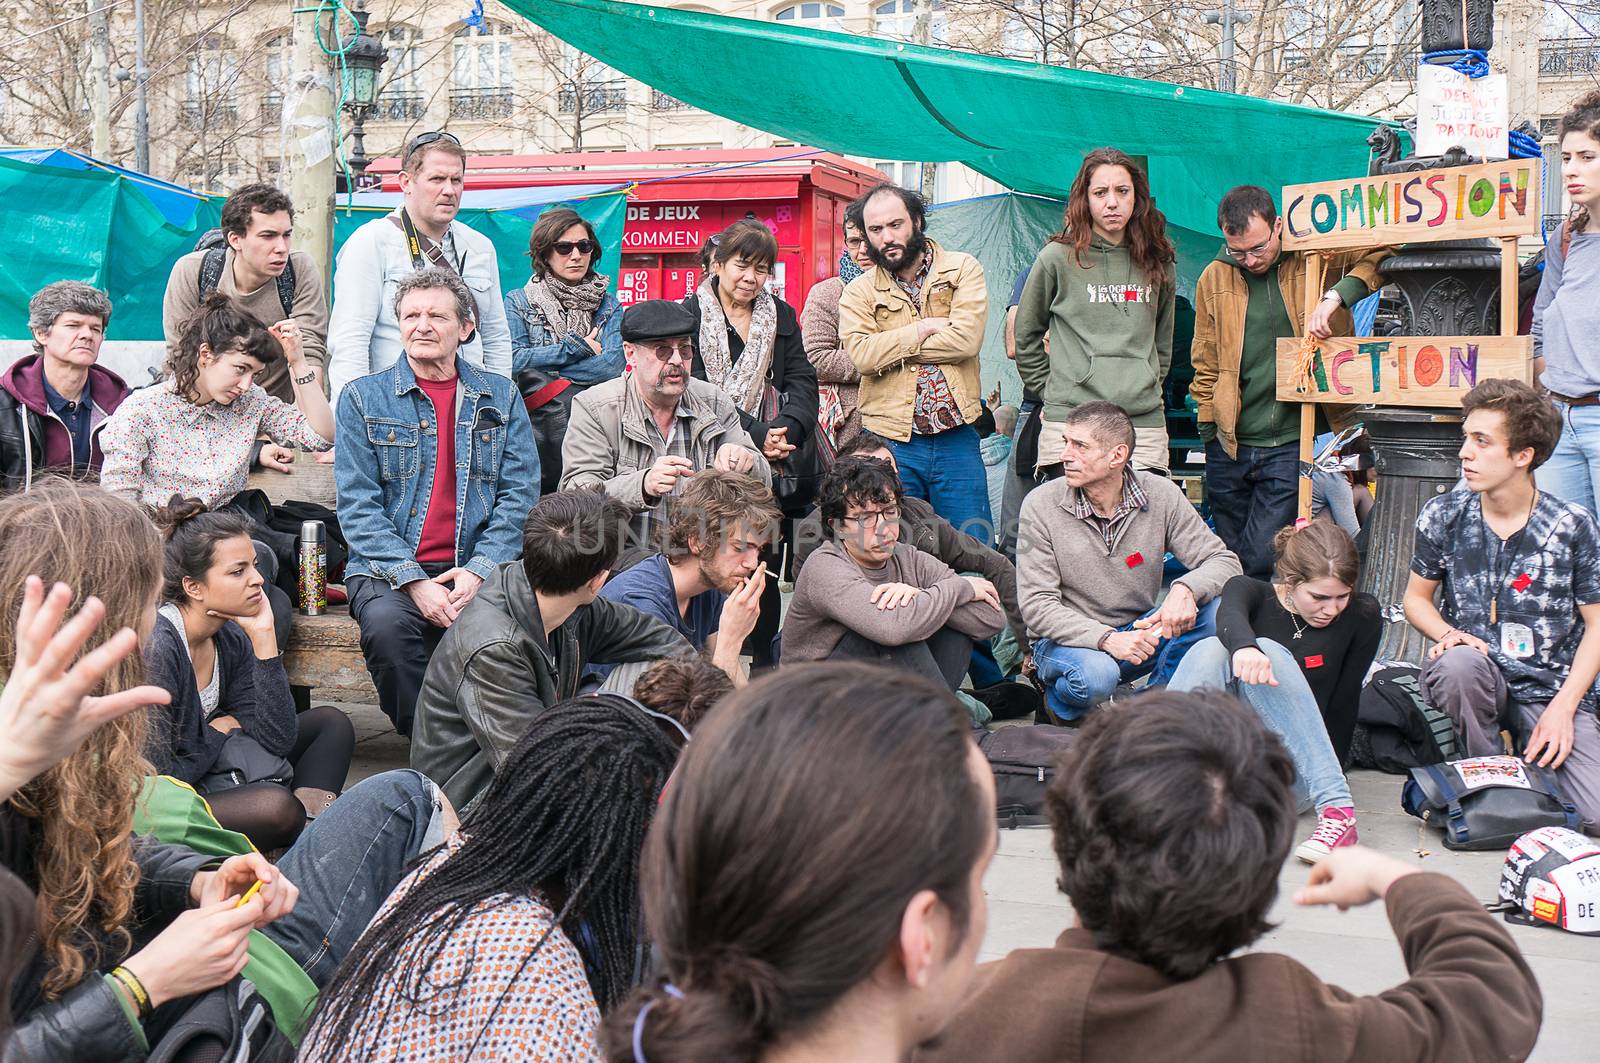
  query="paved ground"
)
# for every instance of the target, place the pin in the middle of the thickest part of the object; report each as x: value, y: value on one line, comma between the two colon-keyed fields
x: 1354, y: 949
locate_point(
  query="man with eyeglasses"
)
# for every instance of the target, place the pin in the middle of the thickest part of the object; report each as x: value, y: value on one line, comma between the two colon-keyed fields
x: 1249, y: 297
x: 363, y: 334
x: 639, y: 437
x: 865, y: 595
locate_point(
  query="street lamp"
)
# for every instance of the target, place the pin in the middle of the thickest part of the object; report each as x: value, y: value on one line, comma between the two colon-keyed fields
x: 358, y: 80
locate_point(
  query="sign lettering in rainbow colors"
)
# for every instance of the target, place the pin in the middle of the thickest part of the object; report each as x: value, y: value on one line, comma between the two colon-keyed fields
x: 1402, y: 370
x: 1494, y: 199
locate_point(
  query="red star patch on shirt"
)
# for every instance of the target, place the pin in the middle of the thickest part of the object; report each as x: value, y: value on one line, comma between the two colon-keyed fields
x: 1134, y: 559
x: 1521, y: 583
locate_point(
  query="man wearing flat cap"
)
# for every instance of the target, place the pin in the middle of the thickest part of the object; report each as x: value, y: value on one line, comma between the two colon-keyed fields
x: 639, y: 436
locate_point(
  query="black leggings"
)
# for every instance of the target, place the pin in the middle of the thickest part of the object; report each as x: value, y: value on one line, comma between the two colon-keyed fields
x: 270, y: 815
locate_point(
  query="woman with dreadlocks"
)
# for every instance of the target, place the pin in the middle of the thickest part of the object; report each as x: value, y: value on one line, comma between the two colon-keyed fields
x: 510, y: 942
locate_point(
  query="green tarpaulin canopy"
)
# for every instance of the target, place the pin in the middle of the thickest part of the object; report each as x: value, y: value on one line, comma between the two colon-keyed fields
x: 99, y: 226
x: 1023, y: 124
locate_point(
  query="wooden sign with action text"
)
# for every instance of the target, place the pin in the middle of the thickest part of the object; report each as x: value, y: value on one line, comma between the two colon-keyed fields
x: 1402, y: 370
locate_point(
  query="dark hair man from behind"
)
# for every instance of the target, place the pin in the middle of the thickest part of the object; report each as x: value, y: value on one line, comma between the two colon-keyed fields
x: 525, y: 640
x: 1173, y: 814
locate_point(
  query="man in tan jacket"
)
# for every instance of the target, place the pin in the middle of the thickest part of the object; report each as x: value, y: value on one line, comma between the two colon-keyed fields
x: 1245, y: 300
x: 914, y: 325
x: 1172, y: 816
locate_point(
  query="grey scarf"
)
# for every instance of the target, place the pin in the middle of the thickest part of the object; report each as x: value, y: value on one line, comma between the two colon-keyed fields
x: 743, y: 381
x: 568, y: 309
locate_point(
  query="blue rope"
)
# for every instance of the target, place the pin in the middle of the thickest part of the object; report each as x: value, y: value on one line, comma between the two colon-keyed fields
x: 1525, y: 146
x: 1473, y: 62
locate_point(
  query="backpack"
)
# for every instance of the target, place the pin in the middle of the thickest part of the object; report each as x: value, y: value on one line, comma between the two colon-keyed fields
x: 215, y: 245
x: 1024, y: 761
x: 1396, y: 728
x: 1487, y: 802
x: 233, y: 1014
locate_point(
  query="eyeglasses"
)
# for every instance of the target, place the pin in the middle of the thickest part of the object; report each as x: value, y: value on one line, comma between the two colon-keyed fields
x: 854, y: 241
x: 1258, y: 251
x: 566, y: 247
x: 422, y: 140
x: 873, y: 516
x: 682, y: 350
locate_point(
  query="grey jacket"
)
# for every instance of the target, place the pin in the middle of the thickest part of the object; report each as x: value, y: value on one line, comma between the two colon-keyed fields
x: 609, y: 443
x: 494, y: 671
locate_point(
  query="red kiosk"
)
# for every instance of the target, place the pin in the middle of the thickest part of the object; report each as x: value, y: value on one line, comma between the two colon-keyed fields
x: 681, y: 198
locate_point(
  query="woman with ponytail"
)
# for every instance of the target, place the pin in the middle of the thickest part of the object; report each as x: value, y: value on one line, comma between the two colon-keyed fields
x: 1566, y: 315
x: 1296, y: 650
x: 511, y: 942
x: 813, y: 883
x: 214, y: 650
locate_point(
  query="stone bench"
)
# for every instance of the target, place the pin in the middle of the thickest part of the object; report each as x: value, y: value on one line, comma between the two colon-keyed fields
x: 325, y: 654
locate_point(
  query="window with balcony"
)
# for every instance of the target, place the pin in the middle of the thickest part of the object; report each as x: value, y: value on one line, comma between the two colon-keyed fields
x: 277, y: 76
x: 898, y: 19
x: 481, y: 78
x: 588, y: 85
x: 402, y: 98
x: 211, y: 83
x: 819, y: 15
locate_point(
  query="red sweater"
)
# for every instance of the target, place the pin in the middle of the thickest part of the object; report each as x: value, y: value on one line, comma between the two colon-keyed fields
x: 438, y: 541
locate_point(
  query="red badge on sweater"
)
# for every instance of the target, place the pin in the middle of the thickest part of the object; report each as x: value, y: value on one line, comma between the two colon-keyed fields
x: 1521, y: 583
x: 1134, y: 559
x: 1314, y: 661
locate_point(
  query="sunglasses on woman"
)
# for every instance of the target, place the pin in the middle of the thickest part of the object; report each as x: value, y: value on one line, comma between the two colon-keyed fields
x: 566, y: 247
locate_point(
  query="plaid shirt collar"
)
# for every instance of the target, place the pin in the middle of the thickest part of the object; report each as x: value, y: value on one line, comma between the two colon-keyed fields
x: 1133, y: 497
x: 913, y: 287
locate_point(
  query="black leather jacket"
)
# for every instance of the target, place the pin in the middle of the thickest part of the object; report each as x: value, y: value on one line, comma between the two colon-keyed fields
x: 494, y: 671
x: 18, y: 444
x: 88, y: 1022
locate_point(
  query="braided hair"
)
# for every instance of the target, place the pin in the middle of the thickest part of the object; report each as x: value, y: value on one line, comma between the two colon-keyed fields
x: 564, y: 820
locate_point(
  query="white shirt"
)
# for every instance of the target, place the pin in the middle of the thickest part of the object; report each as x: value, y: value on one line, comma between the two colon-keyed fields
x: 363, y: 332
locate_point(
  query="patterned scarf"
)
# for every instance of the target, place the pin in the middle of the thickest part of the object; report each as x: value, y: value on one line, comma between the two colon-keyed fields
x: 568, y: 309
x: 744, y: 380
x: 848, y: 270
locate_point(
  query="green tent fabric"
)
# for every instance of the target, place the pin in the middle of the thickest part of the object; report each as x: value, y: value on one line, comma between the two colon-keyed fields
x: 1023, y: 124
x: 97, y: 226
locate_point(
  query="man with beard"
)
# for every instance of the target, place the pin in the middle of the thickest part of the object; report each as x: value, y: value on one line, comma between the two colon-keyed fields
x: 914, y: 325
x: 640, y: 436
x: 707, y: 582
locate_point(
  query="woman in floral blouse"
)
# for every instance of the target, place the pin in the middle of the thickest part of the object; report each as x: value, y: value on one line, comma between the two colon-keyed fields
x: 192, y: 434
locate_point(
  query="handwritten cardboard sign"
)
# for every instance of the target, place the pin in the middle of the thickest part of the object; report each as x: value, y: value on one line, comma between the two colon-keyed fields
x: 1490, y: 199
x: 1402, y: 370
x: 1456, y: 110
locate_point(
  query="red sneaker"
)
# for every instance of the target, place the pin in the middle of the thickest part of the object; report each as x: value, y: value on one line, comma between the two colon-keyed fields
x: 1336, y: 827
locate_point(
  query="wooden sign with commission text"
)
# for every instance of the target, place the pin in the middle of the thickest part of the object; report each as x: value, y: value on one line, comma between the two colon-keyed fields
x: 1403, y: 370
x: 1492, y: 199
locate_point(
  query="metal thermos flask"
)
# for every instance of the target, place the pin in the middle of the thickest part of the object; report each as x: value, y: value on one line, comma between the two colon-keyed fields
x: 313, y: 568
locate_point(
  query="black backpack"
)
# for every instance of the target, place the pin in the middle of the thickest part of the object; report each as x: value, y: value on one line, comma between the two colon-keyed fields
x: 1024, y: 762
x: 1396, y: 728
x: 215, y: 245
x: 235, y: 1016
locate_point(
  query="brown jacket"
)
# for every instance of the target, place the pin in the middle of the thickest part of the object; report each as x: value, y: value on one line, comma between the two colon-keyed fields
x: 878, y: 327
x: 1470, y: 999
x: 1220, y: 297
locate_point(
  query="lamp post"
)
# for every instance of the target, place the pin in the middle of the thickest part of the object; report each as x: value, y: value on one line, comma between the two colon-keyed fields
x: 358, y: 78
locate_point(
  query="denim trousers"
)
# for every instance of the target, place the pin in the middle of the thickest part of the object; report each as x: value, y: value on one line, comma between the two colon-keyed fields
x: 347, y: 862
x: 1572, y: 472
x: 1289, y: 709
x: 1252, y: 498
x: 948, y: 471
x: 1077, y: 678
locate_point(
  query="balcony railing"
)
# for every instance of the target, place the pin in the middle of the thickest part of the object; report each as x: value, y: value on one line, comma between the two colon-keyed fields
x: 660, y: 101
x: 200, y: 113
x: 595, y: 96
x: 480, y: 103
x: 272, y: 108
x: 1569, y: 58
x: 1366, y: 61
x: 400, y: 107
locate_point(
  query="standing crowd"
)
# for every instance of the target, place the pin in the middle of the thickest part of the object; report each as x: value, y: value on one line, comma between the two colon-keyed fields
x: 662, y: 806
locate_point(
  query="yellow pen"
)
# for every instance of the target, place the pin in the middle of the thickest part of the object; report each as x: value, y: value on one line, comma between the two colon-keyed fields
x: 251, y: 892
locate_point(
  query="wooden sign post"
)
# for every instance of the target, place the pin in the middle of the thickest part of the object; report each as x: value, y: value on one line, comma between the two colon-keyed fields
x: 1497, y: 199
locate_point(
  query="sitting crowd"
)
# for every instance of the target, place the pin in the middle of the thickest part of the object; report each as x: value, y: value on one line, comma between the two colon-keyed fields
x: 656, y: 808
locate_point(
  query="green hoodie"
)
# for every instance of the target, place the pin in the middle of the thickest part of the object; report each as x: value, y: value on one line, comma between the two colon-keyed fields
x: 1110, y: 332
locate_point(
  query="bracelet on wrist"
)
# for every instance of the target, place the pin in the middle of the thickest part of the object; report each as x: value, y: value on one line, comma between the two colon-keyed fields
x: 136, y: 991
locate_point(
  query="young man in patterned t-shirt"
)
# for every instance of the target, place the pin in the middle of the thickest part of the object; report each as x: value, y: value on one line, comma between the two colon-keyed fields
x: 1517, y: 643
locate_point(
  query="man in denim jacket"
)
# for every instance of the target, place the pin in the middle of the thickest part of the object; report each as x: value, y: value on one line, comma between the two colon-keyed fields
x: 428, y: 513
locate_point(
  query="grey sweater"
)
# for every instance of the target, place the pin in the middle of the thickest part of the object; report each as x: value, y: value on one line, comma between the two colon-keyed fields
x: 833, y: 596
x: 1566, y: 316
x: 1073, y: 590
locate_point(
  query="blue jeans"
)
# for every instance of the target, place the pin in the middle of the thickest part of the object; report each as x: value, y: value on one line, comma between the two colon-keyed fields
x: 948, y: 471
x: 1077, y: 678
x: 1289, y: 709
x: 347, y: 862
x: 1252, y: 498
x: 1572, y: 473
